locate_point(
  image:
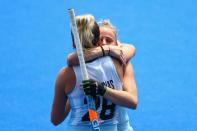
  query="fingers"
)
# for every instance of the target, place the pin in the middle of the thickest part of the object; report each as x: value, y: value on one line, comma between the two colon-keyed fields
x: 89, y: 87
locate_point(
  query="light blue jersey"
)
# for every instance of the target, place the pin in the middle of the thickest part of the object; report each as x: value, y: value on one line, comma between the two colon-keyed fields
x: 123, y: 120
x: 104, y: 71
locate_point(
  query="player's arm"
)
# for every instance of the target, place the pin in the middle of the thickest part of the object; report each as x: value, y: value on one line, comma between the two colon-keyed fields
x: 58, y: 111
x: 128, y: 96
x: 89, y: 55
x: 128, y: 51
x: 122, y: 53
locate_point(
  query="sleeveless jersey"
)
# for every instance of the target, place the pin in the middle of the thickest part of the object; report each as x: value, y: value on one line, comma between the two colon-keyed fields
x: 103, y: 71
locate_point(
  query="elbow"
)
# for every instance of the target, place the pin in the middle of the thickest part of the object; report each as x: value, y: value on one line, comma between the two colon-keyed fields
x: 133, y: 105
x: 54, y: 122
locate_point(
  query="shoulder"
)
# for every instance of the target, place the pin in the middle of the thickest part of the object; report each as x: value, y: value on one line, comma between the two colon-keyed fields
x: 66, y: 79
x: 63, y: 73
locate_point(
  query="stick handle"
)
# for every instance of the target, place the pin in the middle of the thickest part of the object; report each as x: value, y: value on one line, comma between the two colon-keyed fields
x: 78, y: 45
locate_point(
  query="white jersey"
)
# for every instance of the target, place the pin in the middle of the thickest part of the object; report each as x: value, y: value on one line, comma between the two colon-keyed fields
x: 123, y: 120
x: 103, y: 71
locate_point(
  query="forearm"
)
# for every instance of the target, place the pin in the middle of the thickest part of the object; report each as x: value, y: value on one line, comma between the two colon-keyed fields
x: 123, y: 98
x: 93, y: 54
x: 120, y: 97
x: 58, y: 112
x: 128, y: 51
x: 122, y: 52
x: 89, y: 55
x: 58, y: 117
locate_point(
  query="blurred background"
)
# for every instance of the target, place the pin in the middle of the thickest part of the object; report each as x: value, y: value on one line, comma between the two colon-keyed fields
x: 35, y: 40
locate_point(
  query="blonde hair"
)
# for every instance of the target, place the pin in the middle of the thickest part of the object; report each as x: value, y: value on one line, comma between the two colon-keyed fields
x: 88, y: 30
x: 106, y: 24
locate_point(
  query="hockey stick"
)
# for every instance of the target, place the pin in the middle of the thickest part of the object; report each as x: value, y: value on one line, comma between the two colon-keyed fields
x: 91, y: 106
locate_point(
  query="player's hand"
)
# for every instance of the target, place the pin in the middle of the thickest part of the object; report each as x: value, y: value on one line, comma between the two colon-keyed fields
x: 93, y: 88
x: 117, y: 53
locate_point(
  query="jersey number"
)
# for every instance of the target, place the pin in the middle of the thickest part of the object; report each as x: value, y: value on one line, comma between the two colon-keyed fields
x: 107, y: 111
